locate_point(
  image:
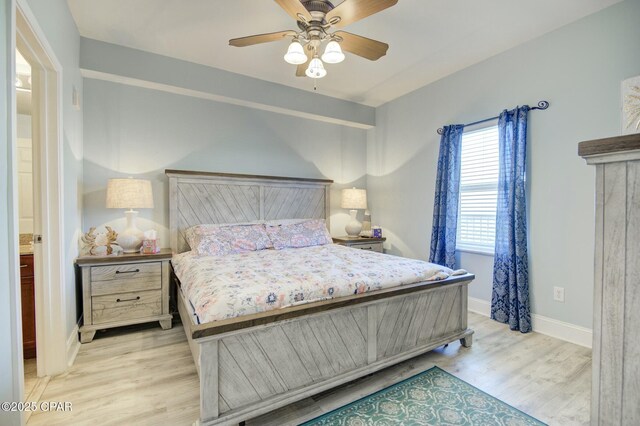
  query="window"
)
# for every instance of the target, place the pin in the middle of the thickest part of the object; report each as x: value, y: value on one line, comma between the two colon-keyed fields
x: 478, y: 191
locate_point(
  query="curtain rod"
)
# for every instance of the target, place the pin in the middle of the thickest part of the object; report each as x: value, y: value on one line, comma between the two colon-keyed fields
x: 541, y: 105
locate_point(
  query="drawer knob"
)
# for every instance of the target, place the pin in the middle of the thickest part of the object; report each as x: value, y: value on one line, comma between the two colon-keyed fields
x: 128, y: 300
x: 128, y: 272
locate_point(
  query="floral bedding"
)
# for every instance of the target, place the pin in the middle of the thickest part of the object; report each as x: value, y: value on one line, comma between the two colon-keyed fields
x: 258, y: 281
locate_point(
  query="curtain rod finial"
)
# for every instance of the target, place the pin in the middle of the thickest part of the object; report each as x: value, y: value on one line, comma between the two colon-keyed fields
x: 440, y: 131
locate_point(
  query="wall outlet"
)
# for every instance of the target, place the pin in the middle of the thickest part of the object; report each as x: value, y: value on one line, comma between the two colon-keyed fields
x: 558, y: 294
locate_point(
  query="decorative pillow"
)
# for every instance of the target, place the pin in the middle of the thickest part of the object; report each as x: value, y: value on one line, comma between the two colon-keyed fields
x: 304, y: 234
x: 220, y: 240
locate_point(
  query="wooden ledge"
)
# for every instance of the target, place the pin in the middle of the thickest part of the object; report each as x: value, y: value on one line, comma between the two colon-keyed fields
x: 263, y: 318
x: 191, y: 173
x: 125, y: 257
x: 609, y: 145
x: 347, y: 239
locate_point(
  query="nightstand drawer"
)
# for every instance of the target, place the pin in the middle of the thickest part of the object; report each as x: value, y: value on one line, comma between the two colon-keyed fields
x: 125, y: 306
x: 371, y: 247
x: 361, y: 243
x: 125, y: 278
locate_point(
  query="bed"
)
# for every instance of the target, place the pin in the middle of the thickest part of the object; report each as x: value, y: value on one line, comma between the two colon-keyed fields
x: 255, y: 357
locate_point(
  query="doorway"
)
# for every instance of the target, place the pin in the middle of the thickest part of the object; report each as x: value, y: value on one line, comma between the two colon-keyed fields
x: 45, y: 225
x: 26, y: 222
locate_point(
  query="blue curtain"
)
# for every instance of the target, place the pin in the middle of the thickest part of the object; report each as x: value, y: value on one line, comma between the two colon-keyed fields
x: 510, y: 299
x: 445, y: 205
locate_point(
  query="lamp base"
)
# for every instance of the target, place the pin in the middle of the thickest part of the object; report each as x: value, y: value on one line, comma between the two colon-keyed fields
x: 131, y: 238
x: 354, y: 227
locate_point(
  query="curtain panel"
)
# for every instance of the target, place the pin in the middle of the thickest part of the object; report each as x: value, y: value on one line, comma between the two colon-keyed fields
x: 510, y: 298
x: 447, y: 194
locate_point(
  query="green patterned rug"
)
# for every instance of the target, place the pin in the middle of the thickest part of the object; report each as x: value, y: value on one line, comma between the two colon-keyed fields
x: 433, y: 397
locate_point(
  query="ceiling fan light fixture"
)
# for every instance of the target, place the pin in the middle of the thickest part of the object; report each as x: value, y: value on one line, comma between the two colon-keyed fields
x: 316, y: 69
x: 333, y: 53
x: 295, y: 54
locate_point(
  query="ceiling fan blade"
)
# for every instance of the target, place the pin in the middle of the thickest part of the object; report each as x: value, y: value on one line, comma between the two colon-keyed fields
x: 351, y: 11
x: 295, y: 9
x: 302, y: 68
x: 260, y: 38
x: 362, y: 46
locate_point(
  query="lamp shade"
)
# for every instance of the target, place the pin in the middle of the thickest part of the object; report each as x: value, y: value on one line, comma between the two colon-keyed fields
x: 129, y: 194
x: 354, y: 198
x: 316, y: 69
x: 333, y: 53
x: 295, y: 54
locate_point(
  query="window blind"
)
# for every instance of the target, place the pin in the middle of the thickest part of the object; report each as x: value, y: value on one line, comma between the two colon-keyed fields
x: 478, y: 190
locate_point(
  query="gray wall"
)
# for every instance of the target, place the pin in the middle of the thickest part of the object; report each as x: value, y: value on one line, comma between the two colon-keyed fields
x: 132, y: 131
x: 159, y: 72
x: 578, y: 68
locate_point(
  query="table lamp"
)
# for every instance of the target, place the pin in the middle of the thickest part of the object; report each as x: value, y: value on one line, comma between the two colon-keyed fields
x: 354, y: 199
x: 129, y: 194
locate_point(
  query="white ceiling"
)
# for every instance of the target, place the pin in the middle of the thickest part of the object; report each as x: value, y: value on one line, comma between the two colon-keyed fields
x: 428, y: 39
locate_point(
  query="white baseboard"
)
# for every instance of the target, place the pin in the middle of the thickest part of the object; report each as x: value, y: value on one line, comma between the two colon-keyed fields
x: 73, y: 346
x: 544, y: 325
x: 479, y: 306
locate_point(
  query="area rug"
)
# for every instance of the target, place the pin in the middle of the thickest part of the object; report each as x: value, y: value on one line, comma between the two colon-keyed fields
x: 433, y: 397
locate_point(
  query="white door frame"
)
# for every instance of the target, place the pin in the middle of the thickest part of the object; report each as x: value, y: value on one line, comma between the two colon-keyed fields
x: 51, y: 339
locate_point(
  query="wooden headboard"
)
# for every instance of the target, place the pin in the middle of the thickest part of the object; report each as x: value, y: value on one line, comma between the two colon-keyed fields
x: 201, y: 197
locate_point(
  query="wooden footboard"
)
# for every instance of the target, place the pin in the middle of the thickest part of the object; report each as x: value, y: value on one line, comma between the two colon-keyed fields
x: 250, y: 370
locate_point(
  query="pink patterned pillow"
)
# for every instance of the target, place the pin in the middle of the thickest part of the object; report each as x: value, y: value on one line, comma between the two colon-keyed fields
x: 220, y: 240
x: 305, y: 234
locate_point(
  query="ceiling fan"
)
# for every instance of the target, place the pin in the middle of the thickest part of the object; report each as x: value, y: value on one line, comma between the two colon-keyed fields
x: 316, y: 20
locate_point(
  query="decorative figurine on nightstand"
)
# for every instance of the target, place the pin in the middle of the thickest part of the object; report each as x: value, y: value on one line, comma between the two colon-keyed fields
x: 100, y: 243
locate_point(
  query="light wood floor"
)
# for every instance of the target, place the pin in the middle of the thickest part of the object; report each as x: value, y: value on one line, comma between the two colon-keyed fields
x: 30, y: 377
x: 146, y: 376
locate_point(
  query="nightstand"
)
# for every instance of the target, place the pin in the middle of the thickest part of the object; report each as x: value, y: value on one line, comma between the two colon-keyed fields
x: 124, y: 290
x: 362, y: 243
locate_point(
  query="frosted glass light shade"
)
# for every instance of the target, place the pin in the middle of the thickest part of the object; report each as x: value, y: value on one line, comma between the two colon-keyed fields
x: 129, y: 194
x: 354, y: 198
x: 316, y: 69
x: 333, y: 53
x: 295, y: 54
